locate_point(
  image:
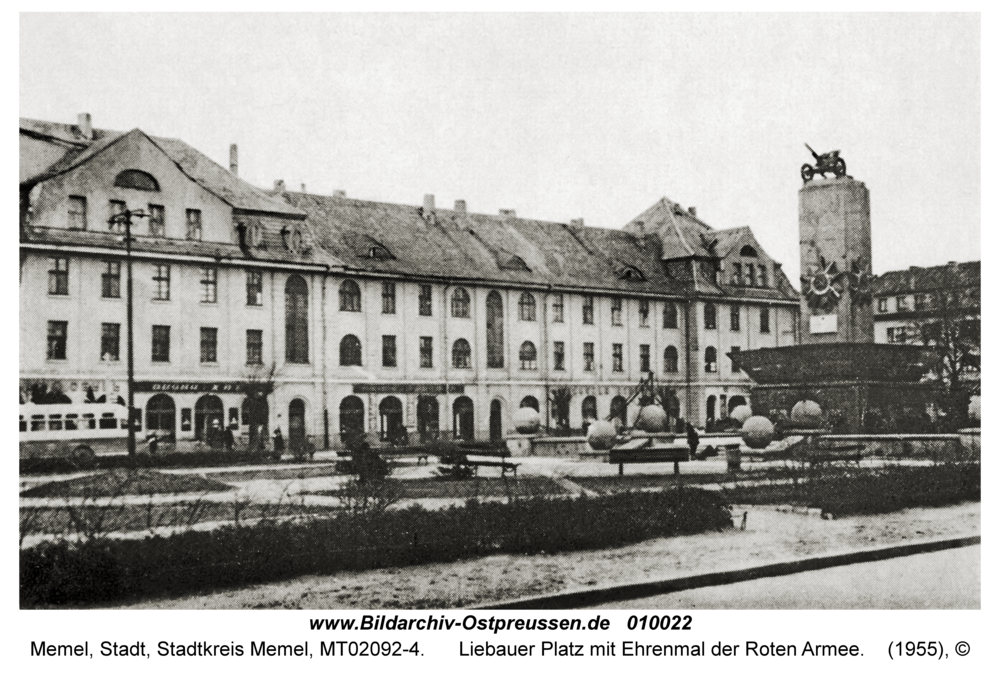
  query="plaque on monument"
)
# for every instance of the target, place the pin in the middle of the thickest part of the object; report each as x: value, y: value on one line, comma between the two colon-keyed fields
x: 823, y: 323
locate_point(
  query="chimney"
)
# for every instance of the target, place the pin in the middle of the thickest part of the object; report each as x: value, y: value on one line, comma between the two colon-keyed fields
x: 83, y: 122
x: 234, y: 159
x: 279, y: 186
x: 460, y: 206
x: 640, y: 229
x: 340, y: 194
x: 576, y: 222
x: 508, y: 212
x: 303, y: 188
x: 428, y: 204
x: 693, y: 211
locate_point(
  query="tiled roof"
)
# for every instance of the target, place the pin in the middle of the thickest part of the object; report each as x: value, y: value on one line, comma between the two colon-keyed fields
x: 214, y: 178
x: 683, y: 234
x: 928, y: 279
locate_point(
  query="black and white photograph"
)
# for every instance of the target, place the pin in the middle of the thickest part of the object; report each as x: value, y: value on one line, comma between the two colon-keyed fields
x: 456, y: 314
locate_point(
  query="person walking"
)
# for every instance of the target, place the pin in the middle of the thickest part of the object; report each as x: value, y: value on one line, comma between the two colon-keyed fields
x: 693, y: 439
x: 279, y: 444
x: 228, y: 438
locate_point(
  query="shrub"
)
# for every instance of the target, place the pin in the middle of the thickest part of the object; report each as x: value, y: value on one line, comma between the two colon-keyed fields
x: 232, y: 556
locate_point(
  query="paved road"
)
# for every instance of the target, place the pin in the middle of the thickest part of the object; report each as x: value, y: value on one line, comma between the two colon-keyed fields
x: 949, y: 579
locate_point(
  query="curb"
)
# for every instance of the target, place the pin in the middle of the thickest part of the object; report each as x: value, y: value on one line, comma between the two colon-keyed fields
x: 614, y: 593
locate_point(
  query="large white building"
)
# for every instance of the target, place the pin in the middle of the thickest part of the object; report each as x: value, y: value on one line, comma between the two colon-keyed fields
x: 373, y: 315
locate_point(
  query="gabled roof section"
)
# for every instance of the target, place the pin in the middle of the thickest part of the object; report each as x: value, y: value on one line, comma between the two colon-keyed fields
x: 928, y: 279
x: 196, y: 166
x: 682, y: 234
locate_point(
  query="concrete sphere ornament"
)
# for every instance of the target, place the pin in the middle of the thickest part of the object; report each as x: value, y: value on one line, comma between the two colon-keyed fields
x: 652, y: 419
x: 807, y: 414
x: 527, y: 420
x: 601, y: 435
x: 757, y: 432
x: 741, y: 413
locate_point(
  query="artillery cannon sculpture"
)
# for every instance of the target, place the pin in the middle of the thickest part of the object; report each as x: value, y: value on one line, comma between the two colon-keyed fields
x: 828, y: 162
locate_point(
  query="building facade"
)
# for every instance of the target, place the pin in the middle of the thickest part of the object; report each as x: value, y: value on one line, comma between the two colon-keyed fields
x: 365, y: 316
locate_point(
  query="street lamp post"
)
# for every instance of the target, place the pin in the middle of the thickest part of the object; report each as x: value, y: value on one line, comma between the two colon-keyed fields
x: 125, y: 217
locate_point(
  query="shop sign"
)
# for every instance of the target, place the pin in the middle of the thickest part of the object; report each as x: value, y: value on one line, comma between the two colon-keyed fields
x: 411, y: 389
x: 188, y: 387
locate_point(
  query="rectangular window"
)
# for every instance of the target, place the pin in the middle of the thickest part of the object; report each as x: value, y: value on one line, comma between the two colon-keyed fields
x: 616, y: 358
x: 57, y: 340
x: 901, y: 303
x: 763, y: 276
x: 616, y: 311
x: 669, y: 315
x: 557, y: 308
x: 255, y: 347
x: 388, y: 350
x: 736, y: 352
x: 920, y: 302
x: 209, y: 345
x: 737, y: 274
x: 883, y: 305
x: 644, y: 357
x: 734, y: 318
x: 110, y: 340
x: 255, y: 289
x: 425, y: 301
x: 157, y: 221
x: 427, y: 351
x: 389, y: 298
x: 209, y: 285
x: 161, y: 343
x: 161, y: 282
x: 111, y: 279
x: 710, y: 312
x: 116, y: 224
x: 558, y: 355
x: 765, y: 320
x: 643, y: 313
x: 76, y: 215
x: 194, y: 224
x: 588, y: 310
x: 588, y: 356
x: 751, y: 275
x: 59, y: 276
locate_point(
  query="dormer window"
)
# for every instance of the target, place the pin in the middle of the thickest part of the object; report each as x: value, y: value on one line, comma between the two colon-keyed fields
x: 380, y: 252
x: 748, y: 251
x: 511, y: 262
x: 629, y: 273
x: 137, y: 180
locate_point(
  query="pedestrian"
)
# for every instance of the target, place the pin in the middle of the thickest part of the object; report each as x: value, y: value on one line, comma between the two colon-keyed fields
x: 153, y: 443
x: 693, y: 439
x: 228, y: 438
x: 279, y: 444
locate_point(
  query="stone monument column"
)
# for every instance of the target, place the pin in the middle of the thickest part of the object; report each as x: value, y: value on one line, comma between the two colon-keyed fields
x: 835, y: 256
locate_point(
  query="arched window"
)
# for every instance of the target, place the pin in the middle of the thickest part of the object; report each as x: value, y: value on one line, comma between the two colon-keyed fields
x: 670, y: 359
x: 208, y: 417
x: 350, y: 350
x: 494, y: 330
x: 670, y: 315
x: 710, y: 410
x: 390, y: 412
x: 529, y: 356
x: 588, y: 410
x: 350, y: 296
x: 526, y: 307
x: 460, y: 303
x: 619, y: 409
x: 709, y: 316
x: 710, y: 364
x: 735, y: 402
x: 161, y: 414
x: 137, y: 180
x: 748, y: 251
x: 352, y: 417
x: 530, y: 401
x: 296, y: 320
x: 461, y: 354
x: 255, y: 413
x: 463, y: 418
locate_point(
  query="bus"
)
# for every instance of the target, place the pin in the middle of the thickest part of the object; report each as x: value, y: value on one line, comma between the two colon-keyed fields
x: 76, y: 431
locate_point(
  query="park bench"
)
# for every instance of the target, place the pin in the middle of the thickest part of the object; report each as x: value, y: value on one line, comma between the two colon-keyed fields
x: 833, y: 453
x: 641, y: 450
x: 476, y: 457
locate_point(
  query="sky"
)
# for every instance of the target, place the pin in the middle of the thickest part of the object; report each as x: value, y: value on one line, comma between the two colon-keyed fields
x: 557, y: 116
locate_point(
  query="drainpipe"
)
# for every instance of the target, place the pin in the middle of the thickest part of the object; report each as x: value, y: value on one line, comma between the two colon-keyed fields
x: 545, y: 354
x: 445, y: 362
x: 326, y: 408
x: 687, y: 360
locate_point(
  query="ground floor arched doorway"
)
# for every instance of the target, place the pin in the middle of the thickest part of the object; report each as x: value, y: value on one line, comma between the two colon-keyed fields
x: 352, y: 418
x: 296, y: 424
x: 208, y: 417
x: 496, y: 421
x: 255, y: 413
x: 390, y: 415
x: 427, y: 417
x: 735, y: 402
x: 463, y: 418
x: 161, y: 414
x: 619, y: 410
